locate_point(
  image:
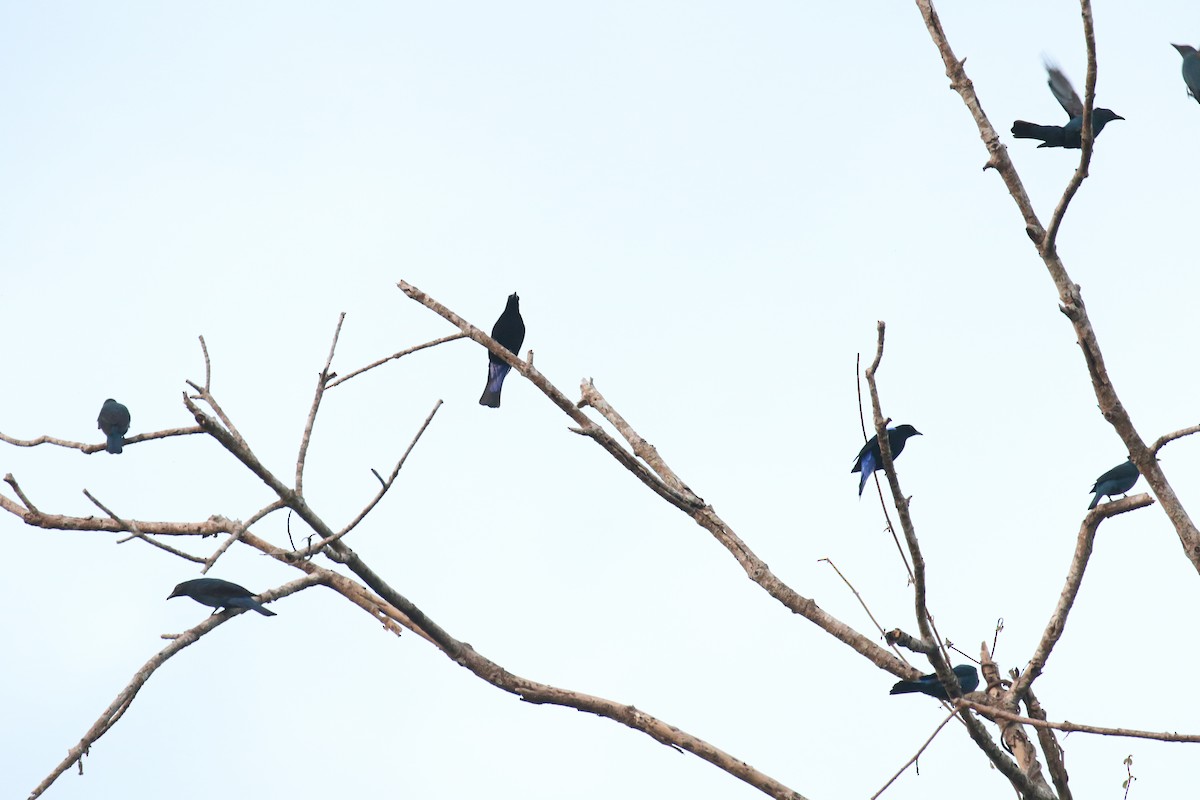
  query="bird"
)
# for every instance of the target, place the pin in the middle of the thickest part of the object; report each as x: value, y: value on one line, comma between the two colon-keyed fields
x: 1070, y: 135
x: 509, y: 331
x: 1118, y: 480
x: 114, y: 421
x: 1191, y: 69
x: 219, y: 594
x: 870, y: 459
x: 968, y: 679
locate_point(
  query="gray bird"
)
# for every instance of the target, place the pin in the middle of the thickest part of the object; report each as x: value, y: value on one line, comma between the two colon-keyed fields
x: 1191, y: 68
x: 1118, y: 480
x: 114, y: 421
x: 219, y: 594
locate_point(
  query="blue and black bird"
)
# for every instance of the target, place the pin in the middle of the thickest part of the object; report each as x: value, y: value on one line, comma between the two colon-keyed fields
x: 509, y: 331
x: 114, y: 421
x: 870, y: 459
x: 1070, y: 135
x: 1191, y: 69
x: 219, y: 594
x: 1118, y: 480
x: 968, y: 679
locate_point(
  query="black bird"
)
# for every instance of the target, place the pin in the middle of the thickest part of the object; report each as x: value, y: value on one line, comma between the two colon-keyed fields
x: 870, y: 459
x: 509, y: 331
x: 1191, y: 69
x: 968, y: 679
x: 114, y: 421
x: 1070, y: 135
x: 219, y: 594
x: 1118, y: 480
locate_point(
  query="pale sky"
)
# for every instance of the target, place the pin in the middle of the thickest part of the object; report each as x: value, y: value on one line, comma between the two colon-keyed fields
x: 705, y: 207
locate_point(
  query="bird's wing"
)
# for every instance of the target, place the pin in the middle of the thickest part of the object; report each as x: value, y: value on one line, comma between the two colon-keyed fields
x: 1064, y: 92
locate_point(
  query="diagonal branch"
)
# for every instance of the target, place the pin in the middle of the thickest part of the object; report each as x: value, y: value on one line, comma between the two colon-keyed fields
x: 668, y: 486
x: 120, y: 705
x: 1083, y: 551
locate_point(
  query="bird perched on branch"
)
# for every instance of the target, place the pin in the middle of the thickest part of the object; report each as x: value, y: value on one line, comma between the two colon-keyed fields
x: 219, y: 594
x: 509, y: 331
x: 968, y: 679
x: 1191, y: 69
x: 1069, y: 135
x: 114, y: 421
x: 1118, y: 480
x: 870, y: 459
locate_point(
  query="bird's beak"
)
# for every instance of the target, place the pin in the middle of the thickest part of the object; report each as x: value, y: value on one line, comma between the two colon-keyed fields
x: 1118, y: 116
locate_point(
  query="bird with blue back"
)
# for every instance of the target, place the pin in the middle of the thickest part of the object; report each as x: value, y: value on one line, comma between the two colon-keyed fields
x: 219, y: 594
x: 509, y: 331
x: 1191, y: 69
x: 1069, y: 136
x: 870, y: 459
x: 968, y: 680
x: 114, y: 421
x: 1118, y: 480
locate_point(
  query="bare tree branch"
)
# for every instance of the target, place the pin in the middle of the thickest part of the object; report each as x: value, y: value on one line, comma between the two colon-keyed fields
x: 1070, y: 295
x: 121, y: 704
x: 1066, y: 600
x: 1071, y: 727
x: 1088, y: 138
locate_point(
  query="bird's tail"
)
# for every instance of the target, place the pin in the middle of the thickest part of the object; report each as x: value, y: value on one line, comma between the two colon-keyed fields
x: 250, y: 603
x: 906, y: 687
x: 116, y: 441
x: 1027, y: 130
x: 1095, y: 501
x: 866, y: 466
x: 495, y: 382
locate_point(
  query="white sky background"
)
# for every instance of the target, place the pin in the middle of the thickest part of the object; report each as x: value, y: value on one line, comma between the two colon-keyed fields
x: 705, y: 207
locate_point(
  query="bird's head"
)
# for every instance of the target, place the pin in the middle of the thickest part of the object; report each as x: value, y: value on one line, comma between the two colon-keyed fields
x: 1103, y: 116
x: 1185, y: 50
x: 908, y: 430
x: 178, y: 591
x: 513, y: 300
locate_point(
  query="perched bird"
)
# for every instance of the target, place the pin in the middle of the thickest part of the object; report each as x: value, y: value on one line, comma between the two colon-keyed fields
x: 968, y: 679
x: 1118, y: 480
x: 219, y: 594
x: 114, y: 421
x: 509, y: 331
x: 1069, y: 135
x: 1191, y: 69
x: 870, y: 459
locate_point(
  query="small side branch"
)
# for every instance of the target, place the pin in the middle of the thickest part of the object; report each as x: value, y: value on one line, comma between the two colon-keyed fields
x: 1071, y: 727
x: 1084, y: 541
x: 124, y: 699
x: 339, y: 381
x: 1048, y: 245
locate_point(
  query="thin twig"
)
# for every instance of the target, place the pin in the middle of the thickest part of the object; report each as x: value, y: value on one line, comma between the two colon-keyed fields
x: 1071, y: 727
x: 132, y: 527
x: 915, y: 755
x: 1048, y: 244
x: 393, y: 357
x: 16, y: 487
x: 322, y: 382
x: 387, y: 484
